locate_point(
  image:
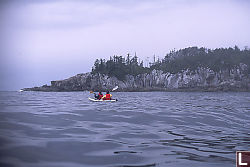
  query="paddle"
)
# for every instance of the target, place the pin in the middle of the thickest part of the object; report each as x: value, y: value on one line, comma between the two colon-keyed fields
x: 115, y: 88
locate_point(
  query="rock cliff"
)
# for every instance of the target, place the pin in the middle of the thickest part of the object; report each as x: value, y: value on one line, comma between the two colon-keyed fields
x: 201, y: 79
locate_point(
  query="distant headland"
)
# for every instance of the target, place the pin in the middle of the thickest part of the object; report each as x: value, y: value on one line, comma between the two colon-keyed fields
x: 189, y: 69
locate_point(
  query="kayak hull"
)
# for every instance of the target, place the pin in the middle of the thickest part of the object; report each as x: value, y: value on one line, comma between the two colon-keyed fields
x: 96, y: 100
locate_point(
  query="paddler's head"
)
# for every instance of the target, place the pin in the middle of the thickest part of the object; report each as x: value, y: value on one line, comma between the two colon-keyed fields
x: 107, y: 92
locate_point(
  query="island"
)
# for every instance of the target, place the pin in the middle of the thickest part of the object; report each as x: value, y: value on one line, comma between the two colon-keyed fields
x: 189, y: 69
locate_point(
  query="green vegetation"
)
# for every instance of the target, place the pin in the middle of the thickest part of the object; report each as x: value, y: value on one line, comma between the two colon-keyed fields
x: 193, y: 57
x: 176, y: 61
x: 119, y: 67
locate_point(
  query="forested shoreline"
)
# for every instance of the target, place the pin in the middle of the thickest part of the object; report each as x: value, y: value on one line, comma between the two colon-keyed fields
x: 176, y: 61
x: 189, y: 69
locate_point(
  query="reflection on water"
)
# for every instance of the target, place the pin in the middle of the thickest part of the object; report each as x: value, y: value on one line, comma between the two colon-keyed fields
x: 141, y: 129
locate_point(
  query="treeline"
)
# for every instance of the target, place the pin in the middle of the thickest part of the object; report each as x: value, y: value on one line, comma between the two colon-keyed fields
x: 194, y: 57
x: 119, y: 66
x: 176, y: 61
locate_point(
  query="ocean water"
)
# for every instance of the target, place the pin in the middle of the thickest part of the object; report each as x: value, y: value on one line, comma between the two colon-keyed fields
x: 163, y: 129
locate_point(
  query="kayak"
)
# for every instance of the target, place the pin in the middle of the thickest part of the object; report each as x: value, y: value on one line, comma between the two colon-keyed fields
x: 96, y: 100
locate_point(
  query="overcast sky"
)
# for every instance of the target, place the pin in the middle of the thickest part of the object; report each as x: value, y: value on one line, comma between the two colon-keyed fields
x: 48, y: 40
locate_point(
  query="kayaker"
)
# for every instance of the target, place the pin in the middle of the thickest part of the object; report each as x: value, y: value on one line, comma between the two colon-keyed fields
x: 107, y: 96
x: 99, y: 96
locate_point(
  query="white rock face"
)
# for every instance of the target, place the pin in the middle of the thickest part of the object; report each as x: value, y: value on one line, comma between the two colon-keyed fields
x: 236, y: 78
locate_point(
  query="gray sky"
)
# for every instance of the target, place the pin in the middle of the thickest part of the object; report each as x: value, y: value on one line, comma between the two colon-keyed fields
x: 51, y: 40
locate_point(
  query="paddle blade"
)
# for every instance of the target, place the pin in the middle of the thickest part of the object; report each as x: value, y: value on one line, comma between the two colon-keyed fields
x: 91, y: 92
x: 115, y: 88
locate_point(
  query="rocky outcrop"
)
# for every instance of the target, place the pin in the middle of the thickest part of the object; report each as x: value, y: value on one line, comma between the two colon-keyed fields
x: 202, y: 79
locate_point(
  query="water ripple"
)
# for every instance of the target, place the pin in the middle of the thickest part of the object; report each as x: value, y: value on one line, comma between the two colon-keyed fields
x: 147, y: 129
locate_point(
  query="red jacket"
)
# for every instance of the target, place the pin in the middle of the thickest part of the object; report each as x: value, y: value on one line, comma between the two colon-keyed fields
x: 108, y: 97
x: 100, y: 96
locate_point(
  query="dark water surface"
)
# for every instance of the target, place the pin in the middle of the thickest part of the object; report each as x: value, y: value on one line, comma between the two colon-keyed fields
x: 64, y: 129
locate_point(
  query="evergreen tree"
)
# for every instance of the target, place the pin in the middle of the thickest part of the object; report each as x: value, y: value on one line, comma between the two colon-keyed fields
x: 176, y: 61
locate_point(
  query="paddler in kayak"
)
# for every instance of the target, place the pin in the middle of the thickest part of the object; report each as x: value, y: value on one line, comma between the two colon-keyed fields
x: 107, y: 96
x: 99, y: 96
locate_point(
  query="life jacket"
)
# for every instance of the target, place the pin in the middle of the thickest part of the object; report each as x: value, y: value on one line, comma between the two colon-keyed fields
x: 100, y: 96
x: 107, y: 97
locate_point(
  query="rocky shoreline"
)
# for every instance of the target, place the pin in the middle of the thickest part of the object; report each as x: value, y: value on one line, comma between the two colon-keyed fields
x: 202, y: 79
